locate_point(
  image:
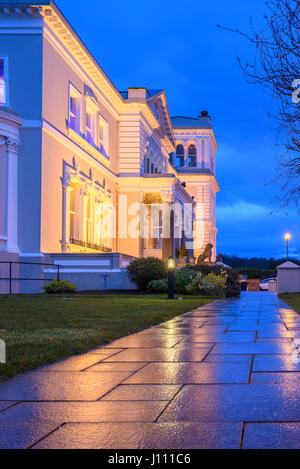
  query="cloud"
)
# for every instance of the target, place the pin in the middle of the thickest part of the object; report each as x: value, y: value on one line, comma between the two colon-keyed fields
x: 241, y: 210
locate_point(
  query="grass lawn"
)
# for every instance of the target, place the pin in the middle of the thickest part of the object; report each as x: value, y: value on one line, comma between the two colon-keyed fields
x: 292, y: 299
x: 40, y: 329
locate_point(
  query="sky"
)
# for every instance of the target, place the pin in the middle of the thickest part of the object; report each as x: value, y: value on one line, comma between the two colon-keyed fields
x: 177, y: 46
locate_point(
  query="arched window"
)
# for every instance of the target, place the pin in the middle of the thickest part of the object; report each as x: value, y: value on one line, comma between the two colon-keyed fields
x: 192, y: 156
x: 180, y: 155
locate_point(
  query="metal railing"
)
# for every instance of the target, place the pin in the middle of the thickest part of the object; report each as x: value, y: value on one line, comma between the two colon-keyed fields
x: 12, y: 279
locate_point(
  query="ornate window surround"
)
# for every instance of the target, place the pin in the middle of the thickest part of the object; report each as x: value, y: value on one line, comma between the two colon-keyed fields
x: 98, y: 193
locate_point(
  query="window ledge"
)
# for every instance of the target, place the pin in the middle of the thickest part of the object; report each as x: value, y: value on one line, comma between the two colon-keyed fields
x: 88, y: 147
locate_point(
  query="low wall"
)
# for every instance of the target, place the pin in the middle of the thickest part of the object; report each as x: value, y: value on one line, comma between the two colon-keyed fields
x: 7, y: 270
x: 87, y: 271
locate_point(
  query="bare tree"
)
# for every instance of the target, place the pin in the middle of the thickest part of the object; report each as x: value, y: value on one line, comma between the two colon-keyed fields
x: 276, y: 66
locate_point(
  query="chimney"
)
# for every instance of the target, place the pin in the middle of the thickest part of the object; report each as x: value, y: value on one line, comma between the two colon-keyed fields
x: 204, y: 115
x: 137, y: 93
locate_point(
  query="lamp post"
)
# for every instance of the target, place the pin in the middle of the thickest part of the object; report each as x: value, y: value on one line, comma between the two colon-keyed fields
x: 287, y: 238
x: 171, y: 272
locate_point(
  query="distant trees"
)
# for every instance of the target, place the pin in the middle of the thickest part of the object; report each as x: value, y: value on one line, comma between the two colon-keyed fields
x: 276, y: 67
x: 261, y: 263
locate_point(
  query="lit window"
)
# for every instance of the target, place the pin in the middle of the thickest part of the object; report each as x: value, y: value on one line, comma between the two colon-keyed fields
x: 89, y: 220
x: 73, y: 211
x: 192, y: 156
x: 89, y: 128
x: 3, y: 81
x: 74, y: 109
x: 103, y: 136
x: 179, y: 155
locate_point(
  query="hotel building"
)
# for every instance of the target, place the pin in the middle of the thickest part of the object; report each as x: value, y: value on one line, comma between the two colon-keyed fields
x: 82, y: 163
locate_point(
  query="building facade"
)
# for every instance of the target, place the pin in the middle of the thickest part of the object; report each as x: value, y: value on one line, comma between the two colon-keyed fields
x: 91, y: 167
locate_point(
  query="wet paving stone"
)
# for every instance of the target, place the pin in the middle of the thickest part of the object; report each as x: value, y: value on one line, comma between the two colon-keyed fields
x: 184, y: 373
x: 165, y: 341
x: 142, y: 392
x: 287, y: 377
x: 76, y: 363
x: 210, y: 358
x: 100, y: 411
x: 271, y: 436
x: 220, y: 338
x: 275, y: 363
x: 145, y: 436
x: 126, y: 366
x: 248, y: 402
x: 60, y: 386
x: 6, y: 404
x: 253, y: 348
x: 21, y: 435
x: 161, y: 355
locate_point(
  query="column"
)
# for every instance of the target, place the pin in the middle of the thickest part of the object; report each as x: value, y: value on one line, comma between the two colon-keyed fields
x: 65, y: 217
x: 11, y: 216
x: 203, y: 153
x: 83, y: 203
x: 186, y: 157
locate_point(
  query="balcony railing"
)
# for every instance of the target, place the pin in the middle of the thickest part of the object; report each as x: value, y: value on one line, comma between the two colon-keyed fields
x: 87, y: 244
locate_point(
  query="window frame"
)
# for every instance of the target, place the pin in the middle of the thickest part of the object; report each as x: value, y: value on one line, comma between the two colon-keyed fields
x: 192, y: 157
x: 180, y: 157
x: 103, y: 141
x: 4, y: 57
x: 75, y: 94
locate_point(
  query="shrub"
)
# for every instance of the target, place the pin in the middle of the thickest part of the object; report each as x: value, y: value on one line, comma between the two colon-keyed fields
x: 210, y: 284
x: 57, y: 286
x: 183, y: 278
x: 233, y: 287
x: 158, y: 286
x: 145, y: 269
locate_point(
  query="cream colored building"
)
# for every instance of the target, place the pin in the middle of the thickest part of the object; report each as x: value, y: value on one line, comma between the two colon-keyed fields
x: 92, y: 160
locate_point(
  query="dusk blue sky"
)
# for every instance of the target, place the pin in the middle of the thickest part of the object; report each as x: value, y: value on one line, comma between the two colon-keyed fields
x: 177, y: 46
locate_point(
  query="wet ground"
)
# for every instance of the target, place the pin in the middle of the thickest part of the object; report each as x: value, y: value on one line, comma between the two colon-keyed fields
x: 225, y: 375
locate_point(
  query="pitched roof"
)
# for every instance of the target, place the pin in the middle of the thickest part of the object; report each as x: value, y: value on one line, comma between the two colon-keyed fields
x: 9, y: 3
x: 288, y: 265
x: 200, y: 122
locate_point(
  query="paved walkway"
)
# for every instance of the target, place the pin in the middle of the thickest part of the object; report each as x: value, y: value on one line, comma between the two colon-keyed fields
x: 221, y: 376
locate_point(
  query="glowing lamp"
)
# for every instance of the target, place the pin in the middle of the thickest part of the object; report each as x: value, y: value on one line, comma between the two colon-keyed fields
x: 287, y: 238
x: 171, y: 263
